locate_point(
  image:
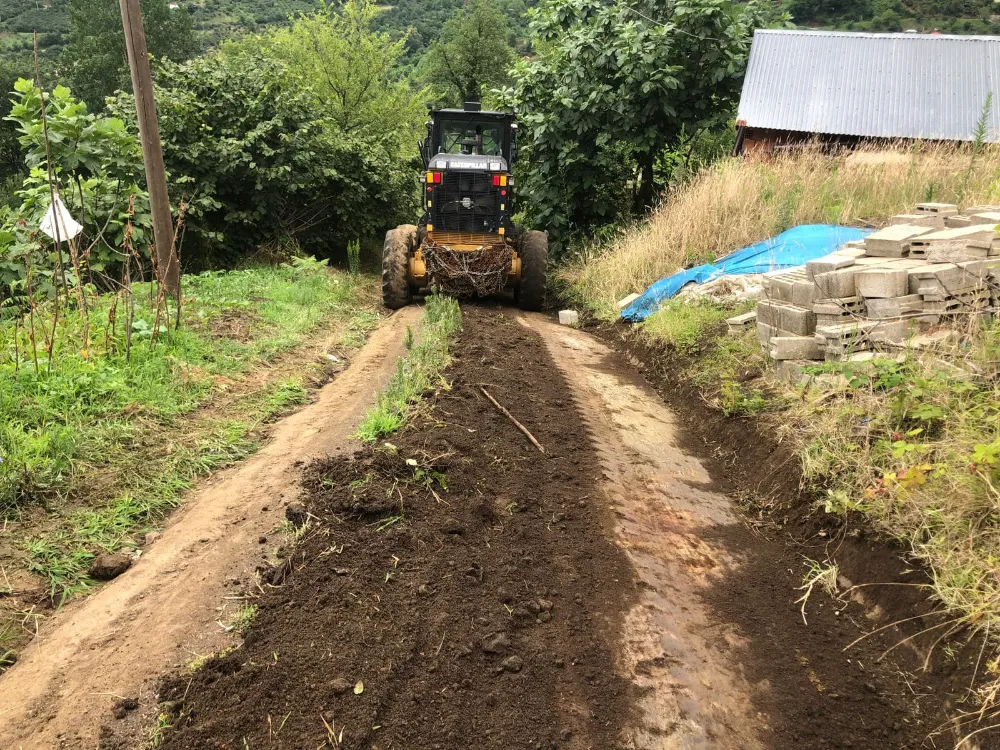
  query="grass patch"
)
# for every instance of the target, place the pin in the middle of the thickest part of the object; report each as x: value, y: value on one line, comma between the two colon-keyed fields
x: 107, y: 444
x: 737, y: 202
x: 416, y: 373
x: 684, y: 324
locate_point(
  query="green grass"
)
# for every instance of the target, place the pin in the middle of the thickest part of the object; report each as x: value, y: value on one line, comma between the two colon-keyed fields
x: 418, y: 372
x: 685, y: 323
x: 107, y: 444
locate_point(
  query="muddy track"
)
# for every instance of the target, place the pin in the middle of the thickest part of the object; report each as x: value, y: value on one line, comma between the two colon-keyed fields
x: 488, y: 595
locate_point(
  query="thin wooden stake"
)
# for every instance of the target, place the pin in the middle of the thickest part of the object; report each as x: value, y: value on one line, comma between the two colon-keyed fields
x: 510, y: 416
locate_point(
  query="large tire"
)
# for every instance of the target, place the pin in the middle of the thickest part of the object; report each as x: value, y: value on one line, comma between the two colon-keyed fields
x: 534, y: 252
x: 399, y: 243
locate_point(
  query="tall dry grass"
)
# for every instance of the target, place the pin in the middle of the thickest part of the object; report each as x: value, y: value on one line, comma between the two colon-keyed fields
x: 735, y: 203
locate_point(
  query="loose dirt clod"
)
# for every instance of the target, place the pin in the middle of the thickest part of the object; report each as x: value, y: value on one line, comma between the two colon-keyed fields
x: 107, y: 566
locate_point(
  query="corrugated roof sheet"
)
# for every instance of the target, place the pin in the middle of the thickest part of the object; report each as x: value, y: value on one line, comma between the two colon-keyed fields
x: 878, y: 85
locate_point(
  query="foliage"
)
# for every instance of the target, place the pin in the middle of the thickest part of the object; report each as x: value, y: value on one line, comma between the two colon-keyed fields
x: 685, y: 323
x: 948, y: 16
x: 418, y: 372
x: 95, y: 165
x: 95, y: 60
x: 611, y: 87
x: 350, y: 69
x: 472, y: 53
x: 261, y: 162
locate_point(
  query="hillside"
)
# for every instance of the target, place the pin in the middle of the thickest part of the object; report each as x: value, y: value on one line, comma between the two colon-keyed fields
x: 946, y: 16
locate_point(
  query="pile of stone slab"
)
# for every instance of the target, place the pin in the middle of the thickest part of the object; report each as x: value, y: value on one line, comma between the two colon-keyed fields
x: 933, y: 267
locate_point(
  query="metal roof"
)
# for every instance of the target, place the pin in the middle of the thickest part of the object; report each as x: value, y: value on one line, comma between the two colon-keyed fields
x: 877, y: 85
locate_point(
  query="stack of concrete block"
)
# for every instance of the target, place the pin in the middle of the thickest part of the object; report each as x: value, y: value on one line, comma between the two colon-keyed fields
x: 929, y: 267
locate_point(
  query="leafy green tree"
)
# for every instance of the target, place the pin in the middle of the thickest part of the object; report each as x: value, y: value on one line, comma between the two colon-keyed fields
x: 96, y: 167
x: 259, y: 161
x: 472, y: 53
x: 351, y: 70
x: 611, y: 87
x: 95, y: 56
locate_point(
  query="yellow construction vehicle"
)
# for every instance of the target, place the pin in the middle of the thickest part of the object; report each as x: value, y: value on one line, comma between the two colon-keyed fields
x: 466, y: 244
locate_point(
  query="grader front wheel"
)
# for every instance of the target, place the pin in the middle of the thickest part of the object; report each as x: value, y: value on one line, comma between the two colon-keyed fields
x: 534, y: 251
x: 399, y: 243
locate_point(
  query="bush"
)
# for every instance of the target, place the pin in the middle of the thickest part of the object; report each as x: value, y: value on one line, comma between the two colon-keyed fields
x: 258, y: 162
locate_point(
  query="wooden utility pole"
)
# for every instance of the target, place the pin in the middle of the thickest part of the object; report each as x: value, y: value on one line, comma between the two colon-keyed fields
x: 167, y: 264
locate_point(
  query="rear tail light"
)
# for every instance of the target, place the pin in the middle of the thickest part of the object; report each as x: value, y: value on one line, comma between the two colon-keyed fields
x: 499, y: 180
x: 496, y: 180
x: 433, y: 178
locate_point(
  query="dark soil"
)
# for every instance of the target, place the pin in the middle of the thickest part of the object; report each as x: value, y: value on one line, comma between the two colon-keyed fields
x: 819, y: 687
x: 459, y: 574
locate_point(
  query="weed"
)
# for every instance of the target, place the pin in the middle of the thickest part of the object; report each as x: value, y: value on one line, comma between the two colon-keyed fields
x: 819, y: 574
x: 244, y: 617
x: 158, y: 731
x: 354, y: 257
x: 684, y: 324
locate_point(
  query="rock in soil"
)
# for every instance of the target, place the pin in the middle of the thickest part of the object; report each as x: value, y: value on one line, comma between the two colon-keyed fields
x: 108, y: 565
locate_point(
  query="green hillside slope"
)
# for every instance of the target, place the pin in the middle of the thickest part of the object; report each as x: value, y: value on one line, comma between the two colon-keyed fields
x: 946, y: 16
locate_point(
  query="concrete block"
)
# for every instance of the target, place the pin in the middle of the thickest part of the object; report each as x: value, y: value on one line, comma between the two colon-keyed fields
x: 841, y: 341
x: 849, y: 305
x: 791, y: 370
x: 569, y: 317
x: 882, y: 282
x: 836, y: 284
x: 832, y: 262
x: 990, y: 218
x: 795, y: 347
x: 931, y: 221
x: 938, y: 209
x: 893, y: 241
x: 988, y: 208
x: 765, y: 333
x: 867, y: 261
x: 738, y: 324
x: 894, y: 331
x: 957, y: 220
x: 805, y: 292
x: 920, y: 246
x: 894, y: 307
x: 799, y: 321
x: 626, y: 301
x: 952, y: 252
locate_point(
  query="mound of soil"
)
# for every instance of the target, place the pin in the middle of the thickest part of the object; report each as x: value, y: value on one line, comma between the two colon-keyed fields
x: 454, y: 589
x: 820, y: 684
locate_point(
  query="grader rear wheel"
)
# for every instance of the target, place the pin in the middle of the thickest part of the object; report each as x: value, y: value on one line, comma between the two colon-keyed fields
x: 534, y: 251
x: 399, y: 243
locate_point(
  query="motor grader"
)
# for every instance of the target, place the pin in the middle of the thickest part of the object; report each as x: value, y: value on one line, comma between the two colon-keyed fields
x: 466, y: 244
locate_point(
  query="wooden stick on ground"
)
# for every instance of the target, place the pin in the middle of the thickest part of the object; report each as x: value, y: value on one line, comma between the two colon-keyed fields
x: 510, y: 416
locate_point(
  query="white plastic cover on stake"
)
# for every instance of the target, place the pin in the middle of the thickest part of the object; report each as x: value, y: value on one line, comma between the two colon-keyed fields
x: 68, y: 226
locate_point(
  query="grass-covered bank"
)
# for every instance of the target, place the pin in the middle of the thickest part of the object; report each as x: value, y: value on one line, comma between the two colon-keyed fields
x: 420, y: 371
x: 735, y: 203
x: 99, y: 445
x: 911, y: 447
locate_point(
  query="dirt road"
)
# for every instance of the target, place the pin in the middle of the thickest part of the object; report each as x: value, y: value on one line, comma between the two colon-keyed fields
x: 458, y: 588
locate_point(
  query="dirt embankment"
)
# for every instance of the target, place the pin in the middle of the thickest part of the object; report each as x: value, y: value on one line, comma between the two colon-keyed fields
x: 902, y: 686
x: 456, y: 590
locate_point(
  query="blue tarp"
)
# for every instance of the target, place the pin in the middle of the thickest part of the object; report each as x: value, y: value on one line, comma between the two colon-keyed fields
x: 789, y: 249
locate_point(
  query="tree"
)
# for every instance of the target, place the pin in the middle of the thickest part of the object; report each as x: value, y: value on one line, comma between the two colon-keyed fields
x: 260, y: 162
x: 350, y: 68
x: 612, y: 86
x: 95, y: 56
x: 473, y: 52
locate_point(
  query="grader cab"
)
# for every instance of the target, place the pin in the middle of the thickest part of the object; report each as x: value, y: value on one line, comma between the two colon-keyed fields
x: 466, y: 244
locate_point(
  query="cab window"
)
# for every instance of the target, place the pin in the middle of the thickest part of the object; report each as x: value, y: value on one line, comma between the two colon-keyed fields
x: 470, y: 137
